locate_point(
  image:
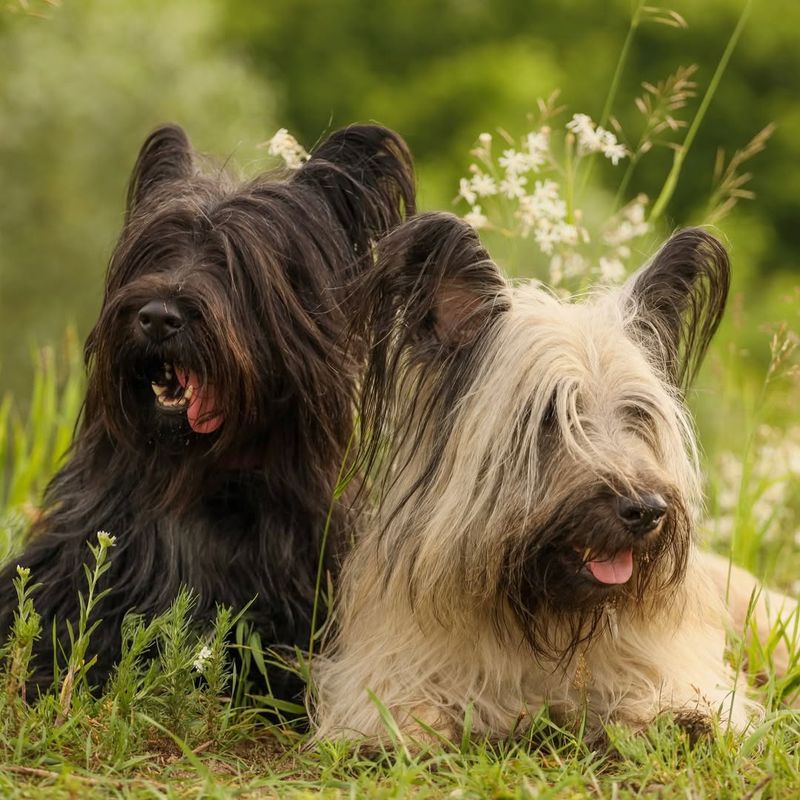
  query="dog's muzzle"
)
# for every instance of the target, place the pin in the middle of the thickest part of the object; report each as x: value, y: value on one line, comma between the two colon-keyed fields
x: 160, y: 320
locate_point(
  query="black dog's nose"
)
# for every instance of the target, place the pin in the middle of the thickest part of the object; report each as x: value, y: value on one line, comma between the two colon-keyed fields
x: 641, y: 514
x: 160, y: 319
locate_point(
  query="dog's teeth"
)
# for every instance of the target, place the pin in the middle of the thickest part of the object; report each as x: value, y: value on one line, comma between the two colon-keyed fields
x: 180, y: 401
x: 188, y: 392
x: 587, y: 553
x: 158, y: 388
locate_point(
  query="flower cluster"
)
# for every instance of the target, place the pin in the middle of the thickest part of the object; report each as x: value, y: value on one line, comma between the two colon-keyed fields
x: 531, y: 188
x: 594, y: 139
x: 285, y: 146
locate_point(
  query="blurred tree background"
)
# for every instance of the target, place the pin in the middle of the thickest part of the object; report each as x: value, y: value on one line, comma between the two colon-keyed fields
x: 83, y: 81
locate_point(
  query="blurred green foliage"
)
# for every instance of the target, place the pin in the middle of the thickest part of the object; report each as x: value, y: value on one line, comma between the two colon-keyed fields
x: 82, y: 82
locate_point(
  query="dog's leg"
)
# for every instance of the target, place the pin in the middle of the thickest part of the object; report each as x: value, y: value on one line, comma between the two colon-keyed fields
x: 670, y: 659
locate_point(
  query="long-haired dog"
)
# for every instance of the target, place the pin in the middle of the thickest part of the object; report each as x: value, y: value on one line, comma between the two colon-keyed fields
x: 534, y: 539
x: 219, y: 401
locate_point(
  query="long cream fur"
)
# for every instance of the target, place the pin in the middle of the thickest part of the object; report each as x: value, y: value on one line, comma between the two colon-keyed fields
x: 416, y: 619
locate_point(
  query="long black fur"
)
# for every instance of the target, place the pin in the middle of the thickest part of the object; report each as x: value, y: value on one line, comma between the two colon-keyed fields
x: 259, y: 271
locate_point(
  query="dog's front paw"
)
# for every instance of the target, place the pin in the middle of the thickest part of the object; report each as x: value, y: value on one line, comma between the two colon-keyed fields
x: 697, y: 725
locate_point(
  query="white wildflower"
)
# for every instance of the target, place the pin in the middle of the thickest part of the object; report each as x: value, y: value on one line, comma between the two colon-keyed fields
x: 548, y: 234
x: 514, y: 162
x: 614, y: 152
x: 483, y: 185
x: 476, y: 218
x: 612, y: 270
x: 465, y: 190
x: 574, y: 263
x: 285, y: 146
x: 485, y: 140
x: 556, y: 270
x: 581, y: 125
x: 202, y: 657
x: 594, y: 139
x: 513, y: 185
x: 634, y: 211
x: 628, y: 224
x: 538, y: 146
x: 544, y: 205
x: 546, y: 190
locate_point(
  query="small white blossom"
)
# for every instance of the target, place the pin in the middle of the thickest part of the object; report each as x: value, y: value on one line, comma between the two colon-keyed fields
x: 614, y: 152
x: 476, y: 218
x: 549, y: 234
x: 514, y: 162
x: 483, y: 185
x: 202, y: 657
x: 556, y: 270
x: 285, y: 146
x: 486, y: 140
x: 465, y: 190
x: 612, y: 270
x: 581, y: 125
x: 538, y: 146
x: 574, y: 263
x: 513, y: 185
x: 629, y: 224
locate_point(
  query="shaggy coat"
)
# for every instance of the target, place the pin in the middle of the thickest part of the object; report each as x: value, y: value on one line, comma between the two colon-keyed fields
x: 219, y: 403
x: 533, y: 542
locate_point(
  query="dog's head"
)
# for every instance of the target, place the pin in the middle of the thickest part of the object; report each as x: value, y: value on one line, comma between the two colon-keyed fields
x: 543, y: 460
x: 225, y: 300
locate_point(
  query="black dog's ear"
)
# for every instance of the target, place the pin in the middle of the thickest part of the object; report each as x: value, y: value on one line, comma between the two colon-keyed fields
x: 165, y: 157
x: 434, y: 286
x: 680, y: 298
x: 366, y: 174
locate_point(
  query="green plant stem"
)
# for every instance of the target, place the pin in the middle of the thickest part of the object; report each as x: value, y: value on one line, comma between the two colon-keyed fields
x: 619, y: 197
x: 323, y: 546
x: 668, y: 189
x: 614, y: 87
x: 621, y: 61
x: 569, y: 183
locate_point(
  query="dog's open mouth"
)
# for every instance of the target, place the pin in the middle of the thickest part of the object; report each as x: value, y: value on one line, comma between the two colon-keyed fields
x: 179, y: 391
x: 612, y: 569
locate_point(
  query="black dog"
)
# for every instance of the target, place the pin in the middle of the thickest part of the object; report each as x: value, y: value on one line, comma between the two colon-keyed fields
x: 219, y: 402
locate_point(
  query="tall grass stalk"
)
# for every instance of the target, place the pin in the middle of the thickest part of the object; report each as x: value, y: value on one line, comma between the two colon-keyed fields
x: 342, y: 481
x: 613, y: 87
x: 671, y: 183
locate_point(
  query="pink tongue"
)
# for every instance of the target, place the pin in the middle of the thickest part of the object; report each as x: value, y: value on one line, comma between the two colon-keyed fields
x: 617, y: 569
x: 201, y: 411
